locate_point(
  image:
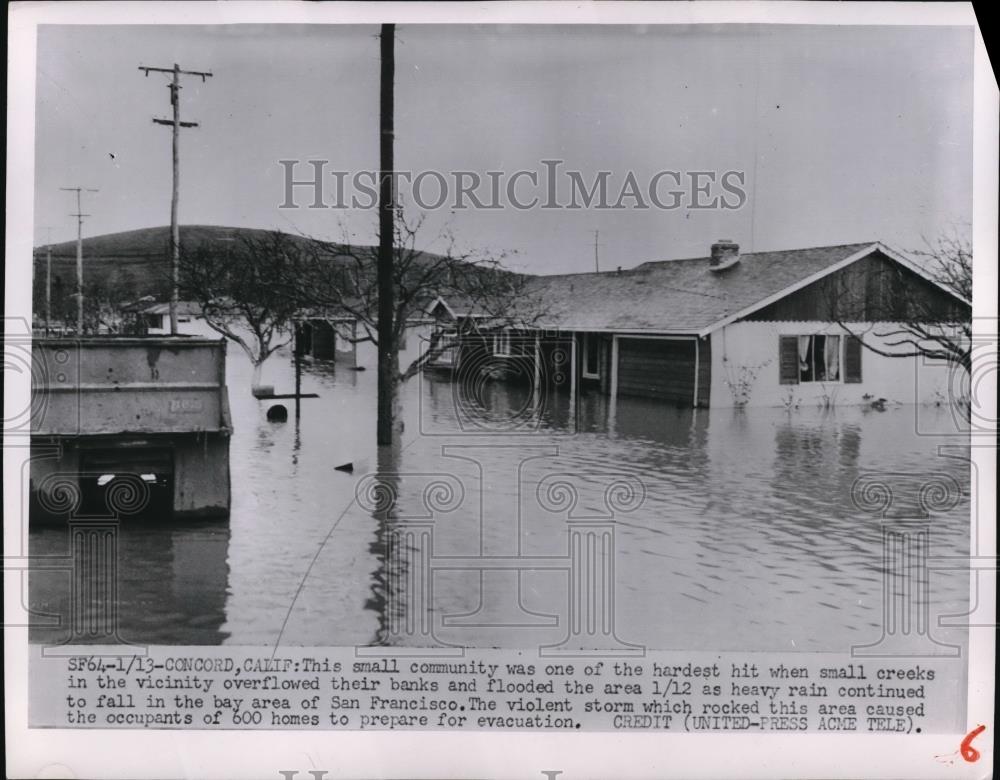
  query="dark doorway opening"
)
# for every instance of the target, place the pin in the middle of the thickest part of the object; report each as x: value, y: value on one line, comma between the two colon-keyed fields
x: 133, y: 483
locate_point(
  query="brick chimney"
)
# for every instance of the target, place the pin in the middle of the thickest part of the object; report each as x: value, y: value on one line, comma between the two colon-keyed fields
x: 725, y: 254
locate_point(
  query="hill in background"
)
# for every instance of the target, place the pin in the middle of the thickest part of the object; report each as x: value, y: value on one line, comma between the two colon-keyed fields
x: 136, y: 261
x: 123, y: 267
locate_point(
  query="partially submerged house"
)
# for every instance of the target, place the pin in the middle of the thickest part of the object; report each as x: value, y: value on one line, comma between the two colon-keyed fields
x: 133, y: 428
x: 151, y: 317
x: 344, y: 340
x: 762, y: 329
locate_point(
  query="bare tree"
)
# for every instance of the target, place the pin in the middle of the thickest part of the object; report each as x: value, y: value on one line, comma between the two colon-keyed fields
x: 244, y: 292
x: 105, y: 296
x: 949, y: 260
x: 910, y: 318
x: 104, y: 302
x: 341, y: 281
x: 252, y: 290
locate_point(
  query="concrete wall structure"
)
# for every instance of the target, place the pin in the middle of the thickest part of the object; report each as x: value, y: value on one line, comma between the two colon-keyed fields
x: 130, y: 427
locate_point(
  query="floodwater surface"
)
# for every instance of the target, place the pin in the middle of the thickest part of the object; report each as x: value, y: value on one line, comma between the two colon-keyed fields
x: 517, y: 520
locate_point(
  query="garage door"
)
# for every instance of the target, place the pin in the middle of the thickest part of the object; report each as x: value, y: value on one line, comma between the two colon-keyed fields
x: 662, y: 369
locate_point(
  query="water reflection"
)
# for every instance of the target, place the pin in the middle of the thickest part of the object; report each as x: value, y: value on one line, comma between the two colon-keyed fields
x: 747, y: 537
x: 172, y: 583
x: 381, y: 497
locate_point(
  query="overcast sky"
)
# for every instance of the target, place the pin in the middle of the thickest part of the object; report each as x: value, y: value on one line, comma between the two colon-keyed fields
x: 844, y: 134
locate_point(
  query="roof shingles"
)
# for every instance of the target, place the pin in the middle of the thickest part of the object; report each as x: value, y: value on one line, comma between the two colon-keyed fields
x: 676, y: 296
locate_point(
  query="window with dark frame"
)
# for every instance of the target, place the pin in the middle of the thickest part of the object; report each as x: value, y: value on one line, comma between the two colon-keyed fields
x: 591, y: 357
x: 819, y: 358
x: 448, y: 356
x: 501, y: 343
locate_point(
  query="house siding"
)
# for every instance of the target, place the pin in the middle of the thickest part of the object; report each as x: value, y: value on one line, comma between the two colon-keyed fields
x: 754, y: 347
x: 869, y: 290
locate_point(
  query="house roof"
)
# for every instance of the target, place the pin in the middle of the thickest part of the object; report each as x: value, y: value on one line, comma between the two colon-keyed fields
x: 457, y: 306
x: 686, y: 296
x: 184, y: 308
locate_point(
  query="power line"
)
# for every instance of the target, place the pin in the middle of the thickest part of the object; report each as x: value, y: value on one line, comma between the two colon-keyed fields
x: 79, y: 252
x: 176, y: 124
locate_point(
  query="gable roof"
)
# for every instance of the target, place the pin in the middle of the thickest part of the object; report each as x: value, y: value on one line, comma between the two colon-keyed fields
x: 458, y: 307
x: 685, y: 296
x: 184, y: 308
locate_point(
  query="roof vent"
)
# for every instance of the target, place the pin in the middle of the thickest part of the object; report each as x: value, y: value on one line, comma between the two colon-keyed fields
x: 725, y: 254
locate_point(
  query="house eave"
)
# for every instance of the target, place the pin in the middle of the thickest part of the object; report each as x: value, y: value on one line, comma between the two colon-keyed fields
x: 652, y: 332
x: 877, y: 246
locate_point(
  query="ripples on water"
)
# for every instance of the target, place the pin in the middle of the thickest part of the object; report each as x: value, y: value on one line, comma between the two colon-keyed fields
x: 747, y: 537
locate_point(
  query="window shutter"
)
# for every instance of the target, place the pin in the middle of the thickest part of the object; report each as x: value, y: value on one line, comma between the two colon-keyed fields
x: 852, y: 360
x: 788, y: 359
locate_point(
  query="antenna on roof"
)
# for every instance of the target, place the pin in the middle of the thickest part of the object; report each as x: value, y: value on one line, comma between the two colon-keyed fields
x: 597, y: 255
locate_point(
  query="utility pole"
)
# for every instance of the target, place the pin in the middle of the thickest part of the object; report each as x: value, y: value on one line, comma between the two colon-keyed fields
x: 48, y: 287
x: 48, y: 280
x: 387, y: 354
x: 297, y: 356
x: 79, y: 253
x: 176, y: 124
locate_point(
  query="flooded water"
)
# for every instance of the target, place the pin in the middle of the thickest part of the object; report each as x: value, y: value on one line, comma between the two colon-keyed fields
x: 731, y: 530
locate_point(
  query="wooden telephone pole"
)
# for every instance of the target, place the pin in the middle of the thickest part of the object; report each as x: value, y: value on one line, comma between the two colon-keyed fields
x: 48, y: 286
x: 387, y: 355
x: 79, y: 253
x: 48, y: 280
x: 176, y: 124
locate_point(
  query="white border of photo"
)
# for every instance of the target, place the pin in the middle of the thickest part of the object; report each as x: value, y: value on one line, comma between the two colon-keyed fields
x: 234, y: 754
